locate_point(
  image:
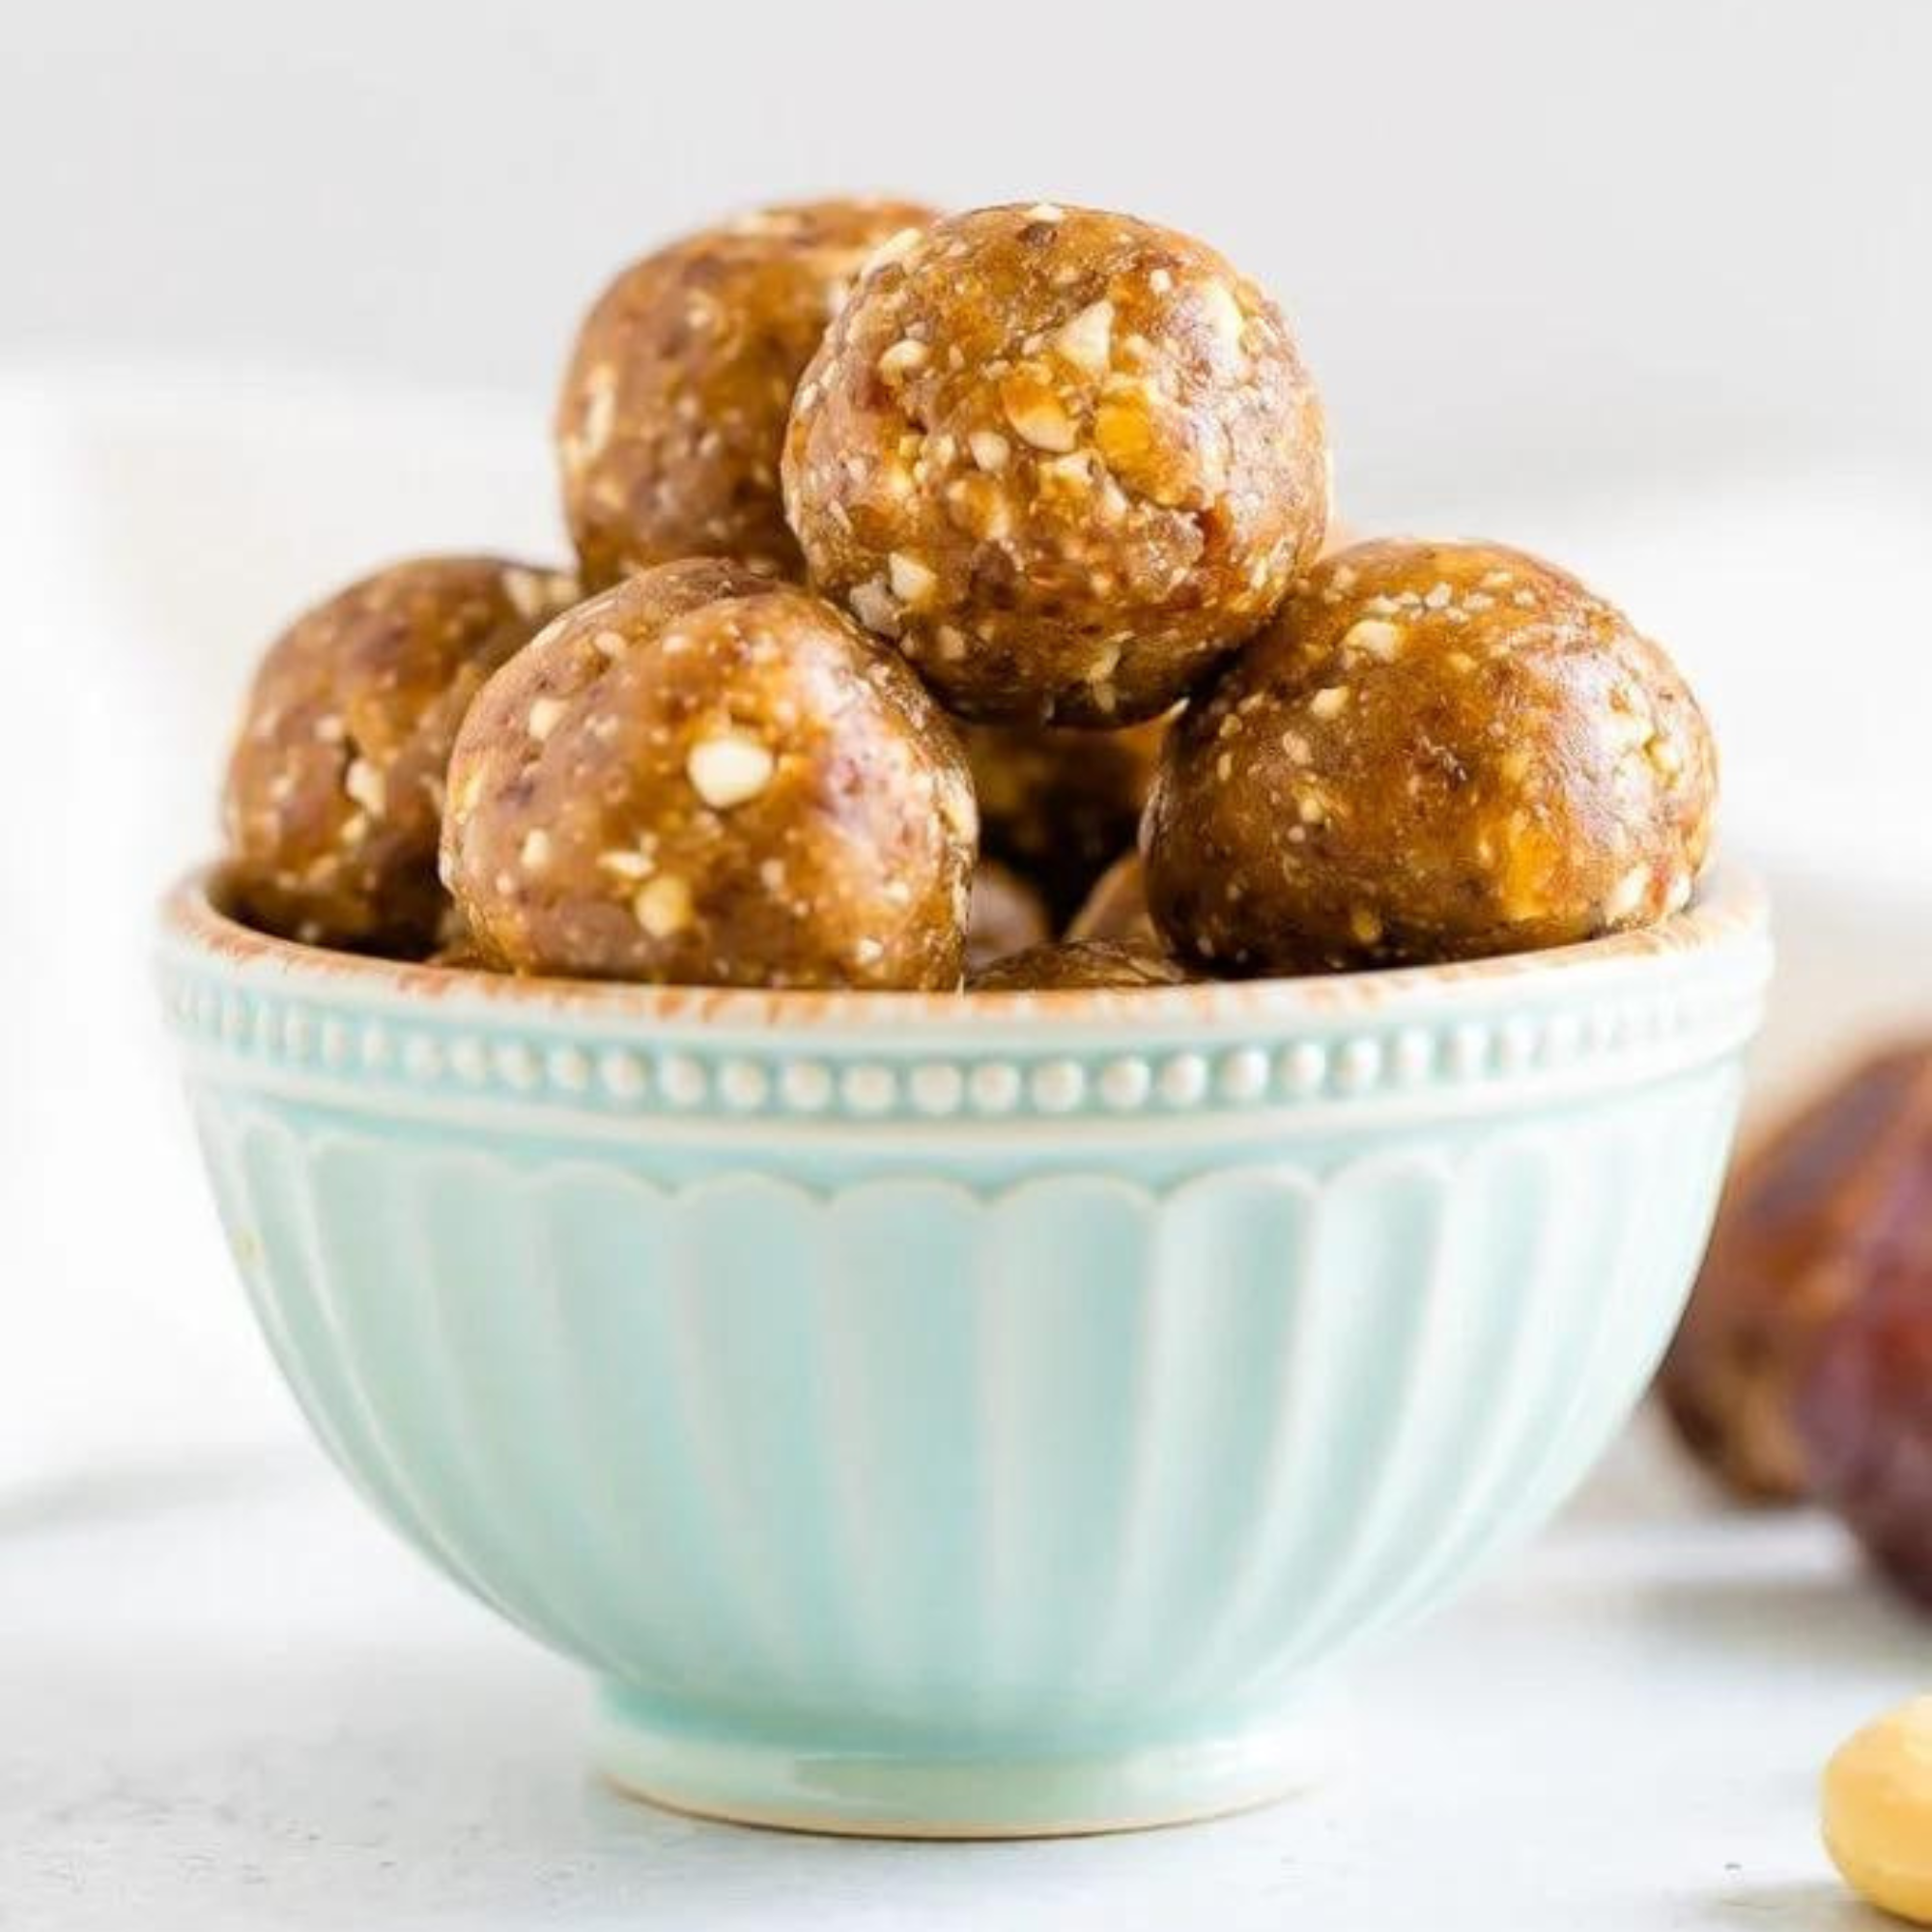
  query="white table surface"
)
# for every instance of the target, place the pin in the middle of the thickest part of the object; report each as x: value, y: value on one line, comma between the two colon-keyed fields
x: 229, y: 1699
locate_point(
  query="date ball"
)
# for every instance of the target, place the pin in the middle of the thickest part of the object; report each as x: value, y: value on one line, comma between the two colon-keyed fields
x: 1435, y: 752
x: 335, y: 783
x: 701, y: 778
x: 1073, y: 964
x: 1811, y: 1220
x: 1008, y: 915
x: 674, y: 406
x: 1059, y: 805
x: 1116, y: 907
x: 1064, y: 459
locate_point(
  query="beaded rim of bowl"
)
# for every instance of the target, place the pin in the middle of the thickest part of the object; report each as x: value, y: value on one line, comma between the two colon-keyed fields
x: 612, y: 1058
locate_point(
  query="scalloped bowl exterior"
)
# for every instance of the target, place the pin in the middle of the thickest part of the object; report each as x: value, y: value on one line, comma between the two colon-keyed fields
x: 935, y: 1419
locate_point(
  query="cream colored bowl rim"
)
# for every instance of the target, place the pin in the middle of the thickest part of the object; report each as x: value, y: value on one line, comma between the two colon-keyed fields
x: 1729, y: 910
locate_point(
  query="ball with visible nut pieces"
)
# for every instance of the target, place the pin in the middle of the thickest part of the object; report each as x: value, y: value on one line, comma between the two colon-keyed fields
x: 701, y: 778
x: 674, y: 406
x: 1116, y: 907
x: 1060, y: 805
x: 335, y: 782
x: 1008, y: 915
x: 1435, y: 752
x: 1065, y: 459
x: 1071, y: 965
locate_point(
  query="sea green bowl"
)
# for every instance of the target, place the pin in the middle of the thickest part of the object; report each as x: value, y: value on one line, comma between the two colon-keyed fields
x: 953, y: 1416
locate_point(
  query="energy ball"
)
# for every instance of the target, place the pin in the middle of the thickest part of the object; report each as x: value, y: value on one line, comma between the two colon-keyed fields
x: 1065, y: 459
x: 701, y: 778
x: 1060, y: 804
x: 1116, y: 907
x: 456, y: 945
x: 461, y: 955
x: 335, y: 783
x: 1008, y: 915
x: 674, y: 406
x: 1079, y: 963
x: 1436, y: 751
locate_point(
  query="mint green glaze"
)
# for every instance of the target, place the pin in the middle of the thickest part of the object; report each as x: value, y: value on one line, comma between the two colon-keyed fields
x: 962, y: 1418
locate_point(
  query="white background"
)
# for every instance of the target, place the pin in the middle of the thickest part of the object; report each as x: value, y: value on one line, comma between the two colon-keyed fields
x: 283, y: 292
x: 1524, y: 244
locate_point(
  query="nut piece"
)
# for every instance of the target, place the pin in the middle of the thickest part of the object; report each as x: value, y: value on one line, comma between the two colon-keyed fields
x: 729, y: 769
x: 750, y: 792
x: 1008, y: 915
x: 334, y: 785
x: 674, y: 406
x: 1877, y: 1811
x: 1073, y: 964
x: 1059, y: 803
x: 1109, y: 462
x: 1497, y: 762
x: 1802, y: 1235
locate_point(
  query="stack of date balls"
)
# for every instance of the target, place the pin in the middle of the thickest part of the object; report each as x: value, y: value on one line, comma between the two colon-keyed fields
x: 954, y: 604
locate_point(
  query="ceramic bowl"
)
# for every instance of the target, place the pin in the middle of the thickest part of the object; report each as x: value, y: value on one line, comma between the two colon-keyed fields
x: 965, y: 1417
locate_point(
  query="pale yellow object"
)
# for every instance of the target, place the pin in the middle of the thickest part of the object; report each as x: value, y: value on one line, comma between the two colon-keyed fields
x: 1878, y: 1811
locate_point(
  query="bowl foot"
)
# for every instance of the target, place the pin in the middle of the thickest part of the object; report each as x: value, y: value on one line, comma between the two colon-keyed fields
x: 881, y: 1792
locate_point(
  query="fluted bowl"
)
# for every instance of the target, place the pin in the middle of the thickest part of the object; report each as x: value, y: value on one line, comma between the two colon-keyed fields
x: 937, y: 1415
